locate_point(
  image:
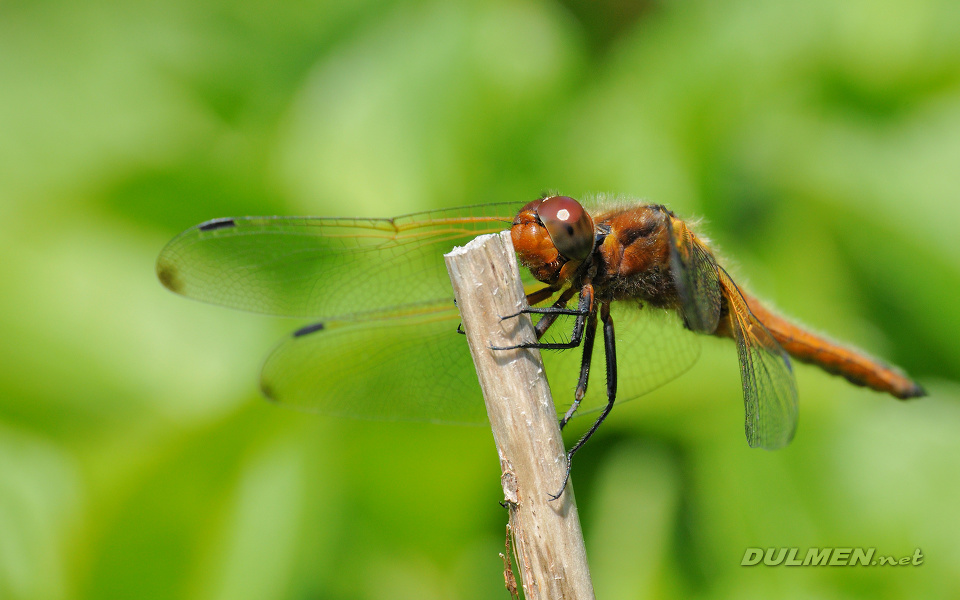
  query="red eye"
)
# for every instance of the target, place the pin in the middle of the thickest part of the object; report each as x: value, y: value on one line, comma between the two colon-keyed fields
x: 569, y: 225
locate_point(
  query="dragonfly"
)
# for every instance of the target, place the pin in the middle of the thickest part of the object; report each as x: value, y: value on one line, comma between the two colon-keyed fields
x: 382, y: 342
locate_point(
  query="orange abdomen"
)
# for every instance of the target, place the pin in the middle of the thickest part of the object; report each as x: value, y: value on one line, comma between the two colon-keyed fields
x: 833, y: 358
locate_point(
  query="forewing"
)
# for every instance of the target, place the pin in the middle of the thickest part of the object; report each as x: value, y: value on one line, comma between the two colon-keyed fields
x: 769, y: 386
x: 415, y: 368
x: 653, y: 348
x: 696, y: 278
x: 324, y: 267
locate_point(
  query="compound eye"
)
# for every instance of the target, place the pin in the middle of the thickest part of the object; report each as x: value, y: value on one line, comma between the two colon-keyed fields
x: 569, y: 225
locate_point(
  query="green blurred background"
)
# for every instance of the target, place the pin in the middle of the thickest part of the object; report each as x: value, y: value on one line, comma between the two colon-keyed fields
x: 819, y: 140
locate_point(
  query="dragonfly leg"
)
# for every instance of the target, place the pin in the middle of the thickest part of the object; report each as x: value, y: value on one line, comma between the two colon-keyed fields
x: 588, y: 337
x: 584, y: 309
x: 610, y: 352
x: 532, y: 298
x: 548, y: 319
x: 542, y: 294
x: 558, y: 308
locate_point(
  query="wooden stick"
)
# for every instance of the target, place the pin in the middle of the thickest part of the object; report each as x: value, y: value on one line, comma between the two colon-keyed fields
x: 547, y: 537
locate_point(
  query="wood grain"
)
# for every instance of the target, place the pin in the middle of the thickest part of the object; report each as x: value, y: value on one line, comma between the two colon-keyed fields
x: 549, y: 544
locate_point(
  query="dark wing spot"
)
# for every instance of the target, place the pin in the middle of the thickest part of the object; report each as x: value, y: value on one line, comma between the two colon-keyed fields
x: 169, y: 277
x: 217, y: 224
x: 267, y: 391
x: 308, y: 329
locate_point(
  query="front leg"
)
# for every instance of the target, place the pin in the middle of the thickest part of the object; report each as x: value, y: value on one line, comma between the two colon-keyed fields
x: 584, y: 308
x: 548, y: 319
x: 542, y: 294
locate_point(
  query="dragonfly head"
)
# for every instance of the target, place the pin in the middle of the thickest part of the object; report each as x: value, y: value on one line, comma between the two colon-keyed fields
x: 550, y: 232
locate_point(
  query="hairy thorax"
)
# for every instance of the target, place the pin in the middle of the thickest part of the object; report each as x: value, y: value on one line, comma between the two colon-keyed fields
x: 633, y: 261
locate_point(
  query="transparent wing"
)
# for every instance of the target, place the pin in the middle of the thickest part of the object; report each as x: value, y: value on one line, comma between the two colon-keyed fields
x: 418, y: 368
x: 696, y: 278
x: 415, y: 368
x: 769, y: 386
x: 324, y: 267
x: 653, y: 348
